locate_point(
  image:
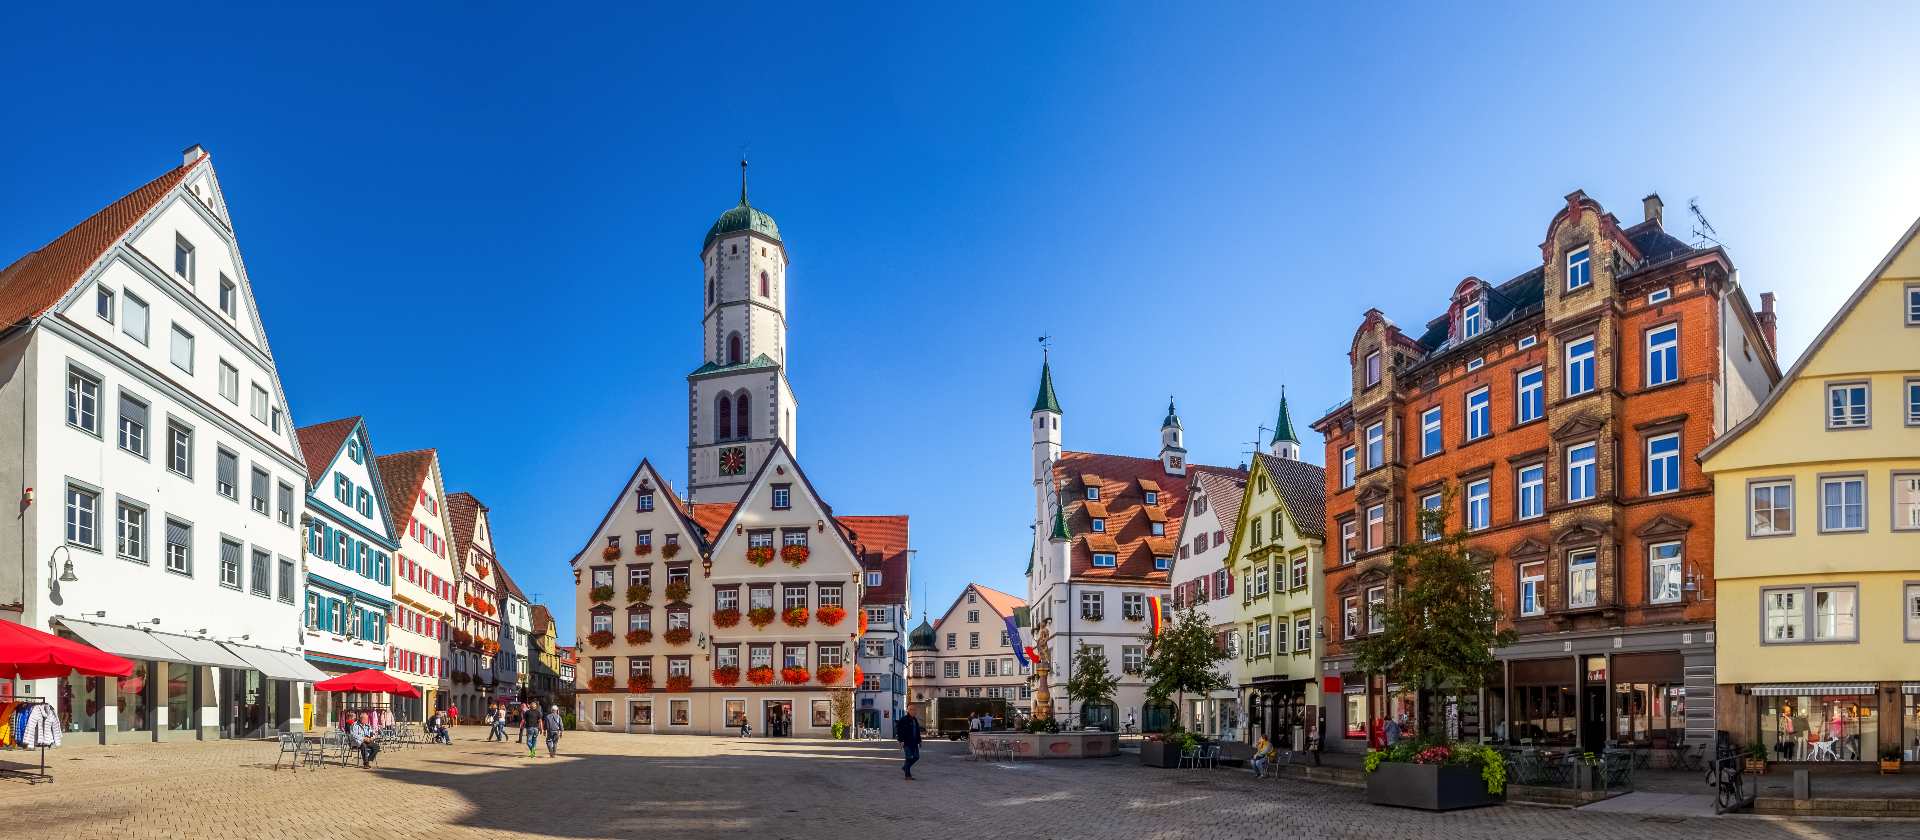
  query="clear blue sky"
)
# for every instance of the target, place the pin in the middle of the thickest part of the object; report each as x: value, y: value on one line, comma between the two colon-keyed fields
x: 478, y: 226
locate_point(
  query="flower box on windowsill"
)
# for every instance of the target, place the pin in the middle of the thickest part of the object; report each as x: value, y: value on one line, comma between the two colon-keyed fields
x: 678, y: 636
x: 639, y: 593
x: 639, y: 685
x: 600, y: 638
x: 793, y: 555
x: 679, y: 684
x: 831, y: 615
x: 726, y: 618
x: 760, y: 555
x: 726, y: 676
x: 678, y: 591
x: 760, y: 676
x: 760, y: 616
x: 795, y: 617
x: 611, y: 552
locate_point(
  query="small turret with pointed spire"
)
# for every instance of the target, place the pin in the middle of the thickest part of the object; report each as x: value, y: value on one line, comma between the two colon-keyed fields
x: 1173, y: 451
x: 1045, y: 418
x: 1285, y: 443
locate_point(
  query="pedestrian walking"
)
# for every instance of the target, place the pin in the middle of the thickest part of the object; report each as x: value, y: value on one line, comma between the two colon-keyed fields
x: 530, y: 728
x: 497, y: 717
x: 553, y: 729
x: 493, y: 720
x: 906, y: 730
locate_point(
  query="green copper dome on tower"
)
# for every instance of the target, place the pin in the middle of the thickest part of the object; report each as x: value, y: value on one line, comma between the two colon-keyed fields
x: 1046, y: 401
x: 1283, y: 428
x: 922, y: 637
x: 742, y: 217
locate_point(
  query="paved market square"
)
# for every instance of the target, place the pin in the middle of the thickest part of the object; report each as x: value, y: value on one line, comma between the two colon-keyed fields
x: 623, y: 786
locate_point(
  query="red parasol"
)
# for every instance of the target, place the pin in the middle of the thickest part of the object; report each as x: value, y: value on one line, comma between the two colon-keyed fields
x: 29, y: 654
x: 370, y: 681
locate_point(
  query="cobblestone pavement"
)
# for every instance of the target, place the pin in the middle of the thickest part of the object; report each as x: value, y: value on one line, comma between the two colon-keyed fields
x: 637, y: 786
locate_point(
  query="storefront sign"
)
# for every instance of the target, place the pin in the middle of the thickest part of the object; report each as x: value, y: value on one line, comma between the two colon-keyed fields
x: 1330, y: 685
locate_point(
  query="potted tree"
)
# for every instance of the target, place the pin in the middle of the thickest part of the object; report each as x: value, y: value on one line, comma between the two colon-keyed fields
x: 1890, y: 759
x: 1440, y: 632
x: 1180, y: 660
x: 1756, y: 760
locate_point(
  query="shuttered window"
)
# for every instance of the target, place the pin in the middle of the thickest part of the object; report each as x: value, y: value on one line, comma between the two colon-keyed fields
x: 259, y: 495
x: 179, y: 547
x: 230, y: 564
x: 226, y: 476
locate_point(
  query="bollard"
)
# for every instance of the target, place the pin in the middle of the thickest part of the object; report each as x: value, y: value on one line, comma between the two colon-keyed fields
x: 1802, y: 785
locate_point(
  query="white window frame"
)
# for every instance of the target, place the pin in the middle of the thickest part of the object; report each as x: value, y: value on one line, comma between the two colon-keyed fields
x: 1371, y: 368
x: 1666, y: 576
x: 1528, y: 410
x: 1534, y: 490
x: 1533, y: 588
x: 141, y: 328
x: 1843, y: 481
x: 1525, y: 342
x: 1657, y: 480
x: 173, y: 349
x: 1479, y: 504
x: 1380, y: 509
x: 1662, y: 341
x: 1573, y: 358
x: 131, y: 531
x: 1583, y: 578
x: 1851, y: 415
x: 1904, y: 483
x: 83, y: 388
x: 1349, y: 465
x: 1376, y: 437
x: 1432, y: 439
x: 1103, y: 560
x: 1660, y: 295
x: 1472, y: 320
x: 229, y: 382
x: 1479, y: 417
x: 1428, y: 503
x: 1580, y: 258
x: 1912, y: 388
x: 1773, y: 486
x: 1376, y: 610
x: 1577, y: 466
x: 82, y: 517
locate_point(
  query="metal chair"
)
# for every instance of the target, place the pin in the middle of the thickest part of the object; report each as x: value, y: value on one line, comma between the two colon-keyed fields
x: 1211, y: 755
x: 1617, y: 766
x: 292, y: 748
x: 1189, y: 757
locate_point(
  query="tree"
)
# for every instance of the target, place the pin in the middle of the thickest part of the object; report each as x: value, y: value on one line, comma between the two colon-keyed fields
x: 1091, y: 681
x: 1182, y: 659
x: 1442, y: 624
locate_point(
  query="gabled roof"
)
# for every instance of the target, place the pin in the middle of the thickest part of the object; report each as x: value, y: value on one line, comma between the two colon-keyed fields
x: 506, y: 581
x: 778, y: 452
x: 661, y: 489
x: 1224, y: 489
x: 1128, y: 531
x: 542, y: 619
x: 35, y: 282
x: 1303, y: 489
x: 463, y: 514
x: 403, y: 473
x: 320, y: 443
x: 1002, y: 604
x: 711, y: 515
x: 882, y: 543
x: 1833, y: 325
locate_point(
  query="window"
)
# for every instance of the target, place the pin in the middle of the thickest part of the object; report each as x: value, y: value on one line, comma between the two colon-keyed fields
x: 262, y: 565
x: 258, y: 495
x: 1836, y: 614
x: 1263, y: 638
x: 1376, y: 526
x: 1347, y: 455
x: 133, y: 425
x: 1579, y: 367
x: 1479, y: 504
x: 1769, y: 508
x: 183, y: 259
x: 103, y: 303
x: 1376, y: 609
x: 229, y: 382
x: 258, y: 403
x: 1302, y: 634
x: 873, y: 579
x: 1906, y: 501
x: 1583, y: 580
x: 1580, y: 472
x: 229, y: 564
x: 1102, y: 560
x: 1533, y: 583
x: 1158, y: 529
x: 1663, y: 355
x: 1479, y: 414
x: 1093, y: 605
x: 1913, y: 402
x: 286, y: 590
x: 133, y: 318
x: 1847, y: 406
x: 1259, y: 588
x: 1531, y: 402
x: 1430, y: 438
x: 130, y: 532
x: 1660, y: 295
x: 1254, y: 536
x: 1299, y: 573
x: 782, y: 497
x: 1376, y: 445
x: 1133, y: 605
x: 1349, y: 539
x: 83, y: 402
x: 182, y: 349
x: 229, y: 296
x: 1152, y: 497
x: 179, y: 547
x: 1429, y: 526
x: 1913, y: 612
x: 1579, y: 269
x: 1843, y: 504
x: 1913, y: 306
x: 1525, y: 342
x: 1099, y: 525
x: 1350, y: 617
x: 1784, y: 614
x: 1663, y: 464
x: 1373, y: 368
x: 1663, y: 573
x: 1471, y: 321
x: 1531, y: 500
x: 83, y: 508
x: 1162, y: 563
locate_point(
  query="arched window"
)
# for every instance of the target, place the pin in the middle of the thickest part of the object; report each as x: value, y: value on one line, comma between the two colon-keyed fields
x: 733, y: 349
x: 723, y: 418
x: 763, y: 284
x: 709, y: 291
x: 742, y: 413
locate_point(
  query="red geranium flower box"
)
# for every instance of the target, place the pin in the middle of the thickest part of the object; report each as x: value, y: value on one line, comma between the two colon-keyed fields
x: 642, y: 550
x: 796, y: 617
x: 600, y: 684
x: 760, y: 616
x: 639, y: 684
x: 794, y: 676
x: 678, y: 636
x: 760, y: 676
x: 639, y: 637
x: 669, y: 550
x: 793, y: 555
x: 830, y: 675
x: 611, y: 552
x: 600, y: 638
x: 831, y: 615
x: 679, y: 683
x: 760, y: 555
x: 726, y: 676
x: 726, y: 617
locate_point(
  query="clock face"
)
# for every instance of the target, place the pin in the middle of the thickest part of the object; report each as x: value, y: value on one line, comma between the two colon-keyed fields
x: 733, y: 460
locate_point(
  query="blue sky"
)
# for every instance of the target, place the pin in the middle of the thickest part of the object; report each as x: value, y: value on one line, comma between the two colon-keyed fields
x: 478, y: 225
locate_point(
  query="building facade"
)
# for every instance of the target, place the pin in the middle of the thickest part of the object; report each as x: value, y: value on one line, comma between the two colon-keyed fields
x: 1104, y: 528
x: 348, y: 562
x: 975, y: 649
x: 158, y: 476
x: 1563, y: 409
x: 424, y: 581
x: 1203, y: 580
x: 1276, y: 555
x: 1817, y: 571
x: 476, y: 644
x: 544, y: 664
x: 516, y: 629
x: 881, y: 543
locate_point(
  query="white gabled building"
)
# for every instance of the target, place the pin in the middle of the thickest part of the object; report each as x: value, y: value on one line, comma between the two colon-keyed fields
x: 348, y: 563
x: 1202, y: 580
x: 145, y: 435
x: 425, y: 584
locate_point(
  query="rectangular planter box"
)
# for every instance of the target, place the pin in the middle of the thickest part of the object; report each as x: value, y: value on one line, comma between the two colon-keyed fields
x: 1429, y: 787
x: 1159, y: 754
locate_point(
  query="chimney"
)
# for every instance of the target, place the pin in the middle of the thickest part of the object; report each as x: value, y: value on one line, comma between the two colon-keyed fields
x: 191, y: 154
x: 1768, y: 319
x: 1651, y: 207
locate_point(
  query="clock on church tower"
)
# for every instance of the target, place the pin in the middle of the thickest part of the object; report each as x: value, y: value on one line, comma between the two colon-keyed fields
x: 733, y: 460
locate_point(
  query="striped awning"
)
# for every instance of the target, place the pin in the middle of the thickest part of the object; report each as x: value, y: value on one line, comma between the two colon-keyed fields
x: 1810, y: 689
x: 1910, y: 688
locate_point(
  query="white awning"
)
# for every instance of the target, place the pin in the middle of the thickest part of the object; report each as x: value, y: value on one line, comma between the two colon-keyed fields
x: 123, y: 641
x: 200, y: 651
x: 1810, y: 689
x: 1910, y: 688
x: 277, y: 665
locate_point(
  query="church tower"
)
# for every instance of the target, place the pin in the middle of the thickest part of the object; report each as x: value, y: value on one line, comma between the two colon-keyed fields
x: 1046, y: 448
x: 1285, y: 443
x: 739, y: 401
x: 1173, y: 450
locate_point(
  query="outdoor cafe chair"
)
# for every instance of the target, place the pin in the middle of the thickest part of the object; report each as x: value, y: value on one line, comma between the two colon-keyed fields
x: 293, y: 749
x: 1190, y: 757
x: 1211, y: 755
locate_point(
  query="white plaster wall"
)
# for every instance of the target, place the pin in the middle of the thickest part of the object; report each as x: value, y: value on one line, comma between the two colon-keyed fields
x: 417, y: 597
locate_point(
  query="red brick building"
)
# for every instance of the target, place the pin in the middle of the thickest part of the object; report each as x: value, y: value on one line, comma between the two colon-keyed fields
x: 1564, y: 408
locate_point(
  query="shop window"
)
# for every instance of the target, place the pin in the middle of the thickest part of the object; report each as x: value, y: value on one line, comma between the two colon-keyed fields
x: 1820, y: 727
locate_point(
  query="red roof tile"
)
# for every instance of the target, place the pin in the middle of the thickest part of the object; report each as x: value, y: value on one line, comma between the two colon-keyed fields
x: 882, y: 541
x: 1001, y: 602
x: 37, y: 281
x: 321, y: 441
x: 403, y: 473
x: 1128, y: 529
x: 711, y: 516
x: 463, y: 515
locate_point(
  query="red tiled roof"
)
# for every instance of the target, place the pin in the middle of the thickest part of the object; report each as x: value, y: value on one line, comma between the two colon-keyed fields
x: 506, y: 581
x: 403, y: 473
x: 1224, y: 490
x: 38, y: 280
x: 711, y: 516
x: 321, y: 441
x: 542, y: 619
x: 1128, y: 529
x: 883, y: 543
x: 1001, y: 602
x: 463, y: 515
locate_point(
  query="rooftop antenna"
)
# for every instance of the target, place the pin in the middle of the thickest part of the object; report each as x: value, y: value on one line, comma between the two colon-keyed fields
x: 1253, y: 450
x: 1703, y: 231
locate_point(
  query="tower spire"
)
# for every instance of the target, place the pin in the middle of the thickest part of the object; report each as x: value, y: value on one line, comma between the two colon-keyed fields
x: 1285, y: 443
x: 743, y: 180
x: 1046, y: 401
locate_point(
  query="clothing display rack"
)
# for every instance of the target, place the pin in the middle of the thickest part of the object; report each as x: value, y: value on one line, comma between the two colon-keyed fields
x: 32, y: 777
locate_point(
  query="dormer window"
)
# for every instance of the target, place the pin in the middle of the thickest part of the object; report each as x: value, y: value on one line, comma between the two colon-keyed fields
x: 1373, y: 368
x: 1153, y: 497
x: 1158, y: 529
x: 1472, y: 320
x: 1093, y: 494
x: 1579, y: 269
x: 1099, y: 526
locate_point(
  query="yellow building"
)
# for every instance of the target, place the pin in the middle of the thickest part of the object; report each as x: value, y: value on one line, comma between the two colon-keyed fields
x: 1817, y: 538
x: 1275, y: 555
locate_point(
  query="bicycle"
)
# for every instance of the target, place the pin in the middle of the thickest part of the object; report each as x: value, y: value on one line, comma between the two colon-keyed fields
x: 1727, y: 776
